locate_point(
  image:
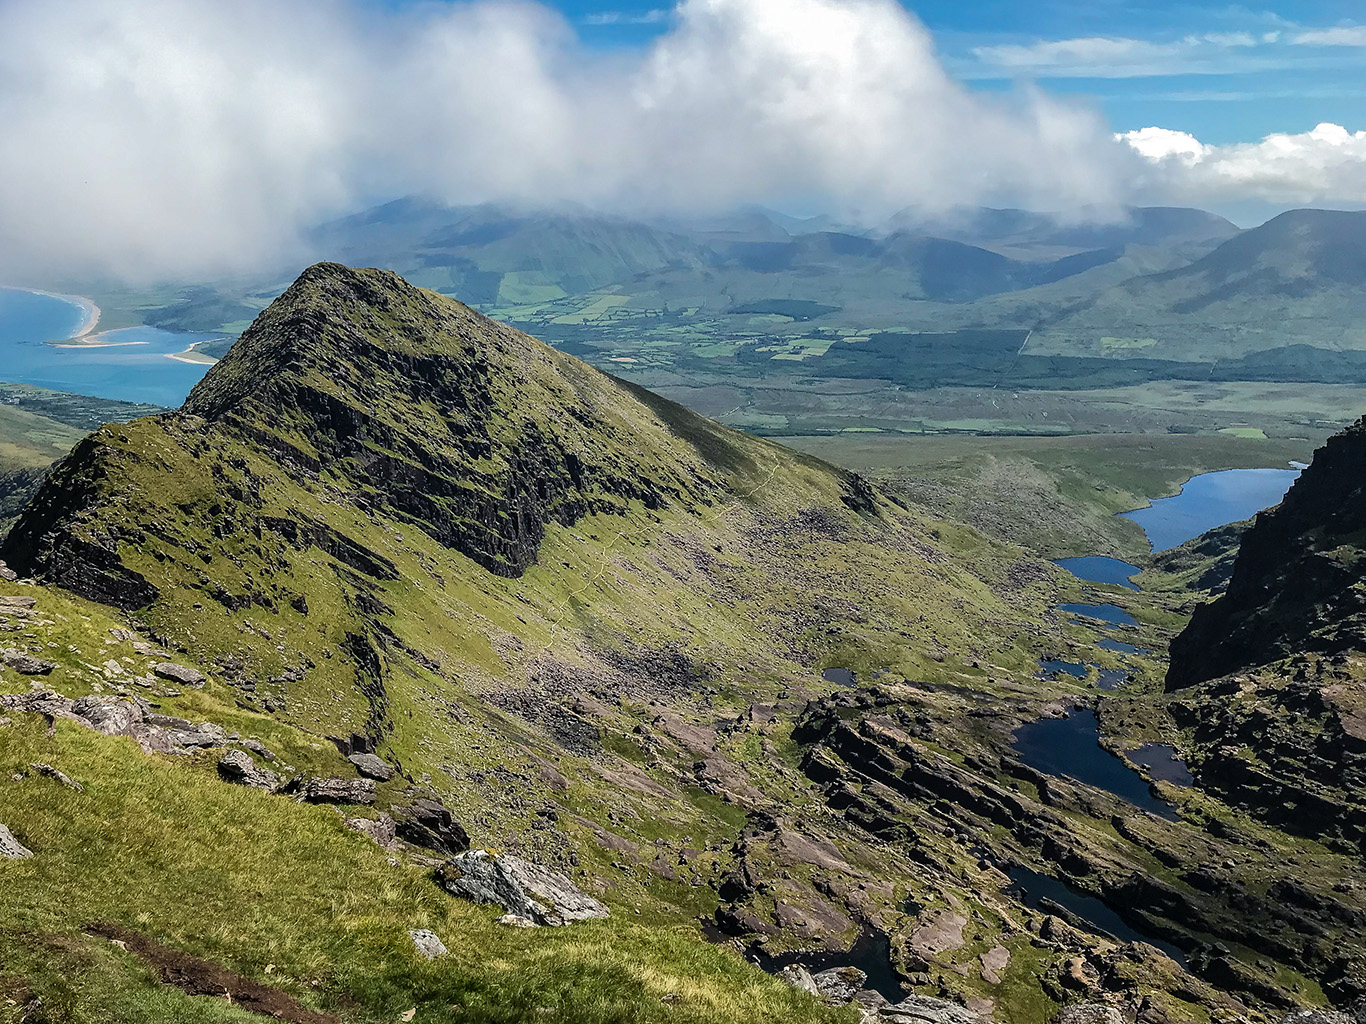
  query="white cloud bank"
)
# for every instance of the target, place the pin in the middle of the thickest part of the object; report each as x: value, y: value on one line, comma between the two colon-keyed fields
x: 1327, y: 164
x: 186, y: 137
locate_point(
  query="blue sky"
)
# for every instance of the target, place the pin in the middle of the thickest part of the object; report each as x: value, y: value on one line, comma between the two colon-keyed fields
x: 1223, y: 72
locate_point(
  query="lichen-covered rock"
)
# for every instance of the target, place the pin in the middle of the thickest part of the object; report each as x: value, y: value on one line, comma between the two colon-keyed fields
x: 1318, y: 1016
x: 237, y: 767
x: 56, y: 775
x: 429, y: 824
x: 928, y: 1010
x: 11, y: 848
x: 428, y: 946
x: 182, y: 674
x: 519, y: 887
x: 7, y: 574
x: 1095, y: 1013
x: 799, y: 978
x: 839, y: 985
x: 372, y: 767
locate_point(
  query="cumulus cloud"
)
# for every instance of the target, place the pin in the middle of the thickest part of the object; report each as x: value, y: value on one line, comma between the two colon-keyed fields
x: 1326, y: 165
x: 183, y: 137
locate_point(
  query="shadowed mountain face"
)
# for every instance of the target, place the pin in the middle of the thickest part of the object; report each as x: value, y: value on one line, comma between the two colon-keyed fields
x: 472, y: 432
x: 1296, y: 584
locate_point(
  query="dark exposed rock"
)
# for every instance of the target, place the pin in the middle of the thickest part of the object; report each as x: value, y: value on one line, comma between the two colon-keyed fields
x: 1090, y: 1013
x: 519, y: 887
x: 428, y: 823
x: 1294, y: 582
x: 238, y: 768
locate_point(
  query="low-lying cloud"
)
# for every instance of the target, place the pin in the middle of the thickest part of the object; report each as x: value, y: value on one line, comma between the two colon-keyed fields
x: 180, y: 138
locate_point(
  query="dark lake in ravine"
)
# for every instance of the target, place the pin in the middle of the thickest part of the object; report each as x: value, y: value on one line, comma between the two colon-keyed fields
x: 1070, y: 747
x: 1033, y: 888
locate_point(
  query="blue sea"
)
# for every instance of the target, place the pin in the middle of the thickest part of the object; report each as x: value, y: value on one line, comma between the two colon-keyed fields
x: 134, y: 370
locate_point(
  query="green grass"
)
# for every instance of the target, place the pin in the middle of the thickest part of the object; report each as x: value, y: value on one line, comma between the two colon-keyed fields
x: 284, y: 894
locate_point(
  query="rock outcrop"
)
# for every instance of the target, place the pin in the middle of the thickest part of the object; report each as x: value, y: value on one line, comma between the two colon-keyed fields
x: 11, y: 848
x: 523, y: 889
x: 1296, y: 584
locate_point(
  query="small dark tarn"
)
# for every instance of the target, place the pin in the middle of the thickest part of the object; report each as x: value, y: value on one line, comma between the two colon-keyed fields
x: 197, y: 977
x: 1034, y: 889
x: 1119, y: 646
x: 1112, y: 614
x: 871, y: 953
x: 1162, y: 763
x: 840, y: 676
x: 1112, y: 678
x: 1051, y: 667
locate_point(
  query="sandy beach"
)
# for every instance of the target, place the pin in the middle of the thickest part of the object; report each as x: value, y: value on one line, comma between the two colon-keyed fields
x: 191, y: 355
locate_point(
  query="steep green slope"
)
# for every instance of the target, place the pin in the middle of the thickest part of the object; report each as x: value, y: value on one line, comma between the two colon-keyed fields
x: 593, y: 625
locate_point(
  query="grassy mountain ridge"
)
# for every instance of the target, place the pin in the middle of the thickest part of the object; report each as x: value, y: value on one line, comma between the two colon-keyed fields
x: 594, y: 625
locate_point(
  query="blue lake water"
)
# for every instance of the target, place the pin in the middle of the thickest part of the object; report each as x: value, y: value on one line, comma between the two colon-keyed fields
x: 1071, y: 747
x: 1100, y: 569
x: 1119, y: 646
x: 1211, y: 500
x: 1108, y: 613
x: 135, y: 368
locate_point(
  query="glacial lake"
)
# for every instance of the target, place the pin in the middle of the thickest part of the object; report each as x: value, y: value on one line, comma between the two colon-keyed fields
x: 1100, y: 569
x: 132, y: 365
x: 1211, y: 500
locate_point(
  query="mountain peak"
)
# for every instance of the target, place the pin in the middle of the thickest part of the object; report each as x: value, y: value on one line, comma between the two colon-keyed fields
x: 368, y: 391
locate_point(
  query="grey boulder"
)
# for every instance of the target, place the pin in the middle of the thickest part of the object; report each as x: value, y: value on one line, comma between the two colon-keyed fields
x: 11, y: 848
x: 26, y: 664
x: 927, y: 1010
x: 799, y: 978
x: 1094, y: 1013
x: 839, y: 984
x: 372, y: 767
x: 429, y: 947
x: 237, y: 767
x: 336, y: 791
x: 181, y: 674
x: 1318, y: 1016
x: 521, y: 888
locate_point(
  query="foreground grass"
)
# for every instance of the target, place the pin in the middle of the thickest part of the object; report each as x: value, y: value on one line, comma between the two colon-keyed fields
x: 283, y: 893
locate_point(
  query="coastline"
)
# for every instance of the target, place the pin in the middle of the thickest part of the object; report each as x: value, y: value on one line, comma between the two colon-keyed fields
x: 88, y: 307
x: 191, y: 355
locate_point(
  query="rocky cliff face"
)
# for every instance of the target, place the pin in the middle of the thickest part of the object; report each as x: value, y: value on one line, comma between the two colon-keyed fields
x: 1297, y: 583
